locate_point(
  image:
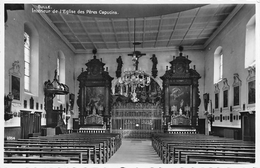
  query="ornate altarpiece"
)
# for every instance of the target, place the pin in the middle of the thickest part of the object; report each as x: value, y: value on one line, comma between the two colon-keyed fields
x: 180, y: 95
x: 94, y: 96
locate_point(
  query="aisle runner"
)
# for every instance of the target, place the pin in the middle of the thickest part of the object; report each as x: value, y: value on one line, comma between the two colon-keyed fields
x: 135, y: 151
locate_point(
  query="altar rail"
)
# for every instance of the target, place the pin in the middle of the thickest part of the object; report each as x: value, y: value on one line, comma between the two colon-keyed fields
x: 136, y: 120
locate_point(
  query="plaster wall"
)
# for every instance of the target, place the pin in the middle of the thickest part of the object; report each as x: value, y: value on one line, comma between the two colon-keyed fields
x: 232, y: 39
x: 49, y: 46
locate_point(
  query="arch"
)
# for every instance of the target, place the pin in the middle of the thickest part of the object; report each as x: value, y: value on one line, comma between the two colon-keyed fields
x: 30, y: 29
x: 250, y: 43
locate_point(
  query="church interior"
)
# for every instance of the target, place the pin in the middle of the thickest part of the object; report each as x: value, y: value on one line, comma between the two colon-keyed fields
x: 130, y: 83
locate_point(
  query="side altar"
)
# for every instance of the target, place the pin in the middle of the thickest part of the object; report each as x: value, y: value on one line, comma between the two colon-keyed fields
x: 181, y: 96
x: 94, y: 96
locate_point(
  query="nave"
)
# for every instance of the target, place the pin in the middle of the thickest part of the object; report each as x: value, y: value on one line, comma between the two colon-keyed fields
x: 109, y: 148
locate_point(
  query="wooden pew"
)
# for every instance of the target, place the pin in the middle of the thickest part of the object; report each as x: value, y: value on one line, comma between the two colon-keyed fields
x: 182, y: 154
x: 172, y: 155
x: 36, y: 160
x: 211, y: 157
x: 165, y: 145
x: 97, y: 155
x: 110, y: 143
x: 79, y: 155
x: 102, y: 150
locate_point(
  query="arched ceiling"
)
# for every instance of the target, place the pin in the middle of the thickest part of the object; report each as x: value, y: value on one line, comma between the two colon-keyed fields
x: 110, y: 27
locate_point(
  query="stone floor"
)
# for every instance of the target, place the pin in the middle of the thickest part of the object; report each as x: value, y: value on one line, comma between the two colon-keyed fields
x: 135, y: 151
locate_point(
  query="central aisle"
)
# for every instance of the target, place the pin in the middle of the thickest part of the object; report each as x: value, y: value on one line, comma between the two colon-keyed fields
x: 135, y: 151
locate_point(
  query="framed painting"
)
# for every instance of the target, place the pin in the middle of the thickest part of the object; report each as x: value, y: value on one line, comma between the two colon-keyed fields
x: 225, y: 98
x: 236, y: 96
x: 251, y: 92
x: 15, y: 81
x: 15, y: 87
x: 180, y: 100
x: 216, y: 100
x: 95, y: 99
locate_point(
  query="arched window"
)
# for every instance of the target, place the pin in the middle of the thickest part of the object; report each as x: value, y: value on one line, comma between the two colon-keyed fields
x: 27, y: 62
x: 250, y: 43
x: 31, y: 59
x: 218, y: 65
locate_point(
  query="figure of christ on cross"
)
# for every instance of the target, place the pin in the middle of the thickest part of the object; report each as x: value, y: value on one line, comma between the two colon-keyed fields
x: 135, y: 58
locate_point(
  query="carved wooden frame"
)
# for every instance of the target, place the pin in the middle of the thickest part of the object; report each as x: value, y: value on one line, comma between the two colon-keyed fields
x: 216, y: 96
x: 236, y: 90
x: 250, y: 79
x: 225, y: 90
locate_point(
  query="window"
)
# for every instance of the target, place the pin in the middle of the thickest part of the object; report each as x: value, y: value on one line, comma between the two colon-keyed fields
x: 218, y: 65
x: 61, y: 73
x: 31, y: 59
x: 58, y: 76
x: 27, y: 62
x: 250, y: 43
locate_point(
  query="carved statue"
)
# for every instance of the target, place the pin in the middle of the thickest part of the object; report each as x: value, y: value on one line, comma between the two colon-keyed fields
x: 119, y: 63
x: 155, y: 61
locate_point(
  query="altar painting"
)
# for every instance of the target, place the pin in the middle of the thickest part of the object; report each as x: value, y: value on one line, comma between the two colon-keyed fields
x: 95, y: 100
x: 180, y: 100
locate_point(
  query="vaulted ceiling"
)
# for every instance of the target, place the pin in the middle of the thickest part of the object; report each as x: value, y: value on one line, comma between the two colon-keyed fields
x: 192, y: 28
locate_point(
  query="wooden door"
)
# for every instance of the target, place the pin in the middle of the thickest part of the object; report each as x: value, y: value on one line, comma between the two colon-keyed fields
x: 201, y: 127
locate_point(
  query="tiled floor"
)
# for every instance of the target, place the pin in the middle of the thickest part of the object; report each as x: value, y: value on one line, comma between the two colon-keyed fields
x: 135, y: 151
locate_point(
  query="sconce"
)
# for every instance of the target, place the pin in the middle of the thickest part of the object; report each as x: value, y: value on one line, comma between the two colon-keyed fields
x: 8, y: 104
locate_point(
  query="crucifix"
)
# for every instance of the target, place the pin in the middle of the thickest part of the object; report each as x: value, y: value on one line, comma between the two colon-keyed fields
x: 136, y: 54
x: 135, y: 58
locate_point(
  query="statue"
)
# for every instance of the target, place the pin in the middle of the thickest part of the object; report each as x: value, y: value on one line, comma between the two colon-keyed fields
x: 119, y: 63
x: 119, y: 66
x: 154, y: 68
x: 155, y: 61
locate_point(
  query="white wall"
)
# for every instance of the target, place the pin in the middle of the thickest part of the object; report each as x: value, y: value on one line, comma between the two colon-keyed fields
x: 232, y: 39
x: 49, y: 46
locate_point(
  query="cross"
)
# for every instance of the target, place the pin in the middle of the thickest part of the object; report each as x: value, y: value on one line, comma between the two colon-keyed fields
x: 136, y: 55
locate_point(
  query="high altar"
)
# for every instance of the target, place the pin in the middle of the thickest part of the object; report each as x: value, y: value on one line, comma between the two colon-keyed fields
x: 134, y: 104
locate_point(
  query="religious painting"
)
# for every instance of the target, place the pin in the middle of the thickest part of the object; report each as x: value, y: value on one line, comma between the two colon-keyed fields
x: 180, y: 100
x: 225, y: 98
x: 95, y: 100
x: 216, y: 100
x: 236, y: 96
x: 251, y: 92
x: 15, y: 86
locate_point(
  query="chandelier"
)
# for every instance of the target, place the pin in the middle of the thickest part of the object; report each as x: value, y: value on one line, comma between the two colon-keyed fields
x: 131, y: 81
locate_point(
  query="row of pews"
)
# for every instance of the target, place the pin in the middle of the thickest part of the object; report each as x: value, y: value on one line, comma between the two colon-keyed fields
x: 202, y: 149
x: 82, y: 148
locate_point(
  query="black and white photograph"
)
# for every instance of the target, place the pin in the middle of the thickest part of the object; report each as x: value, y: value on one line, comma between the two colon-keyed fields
x: 130, y: 84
